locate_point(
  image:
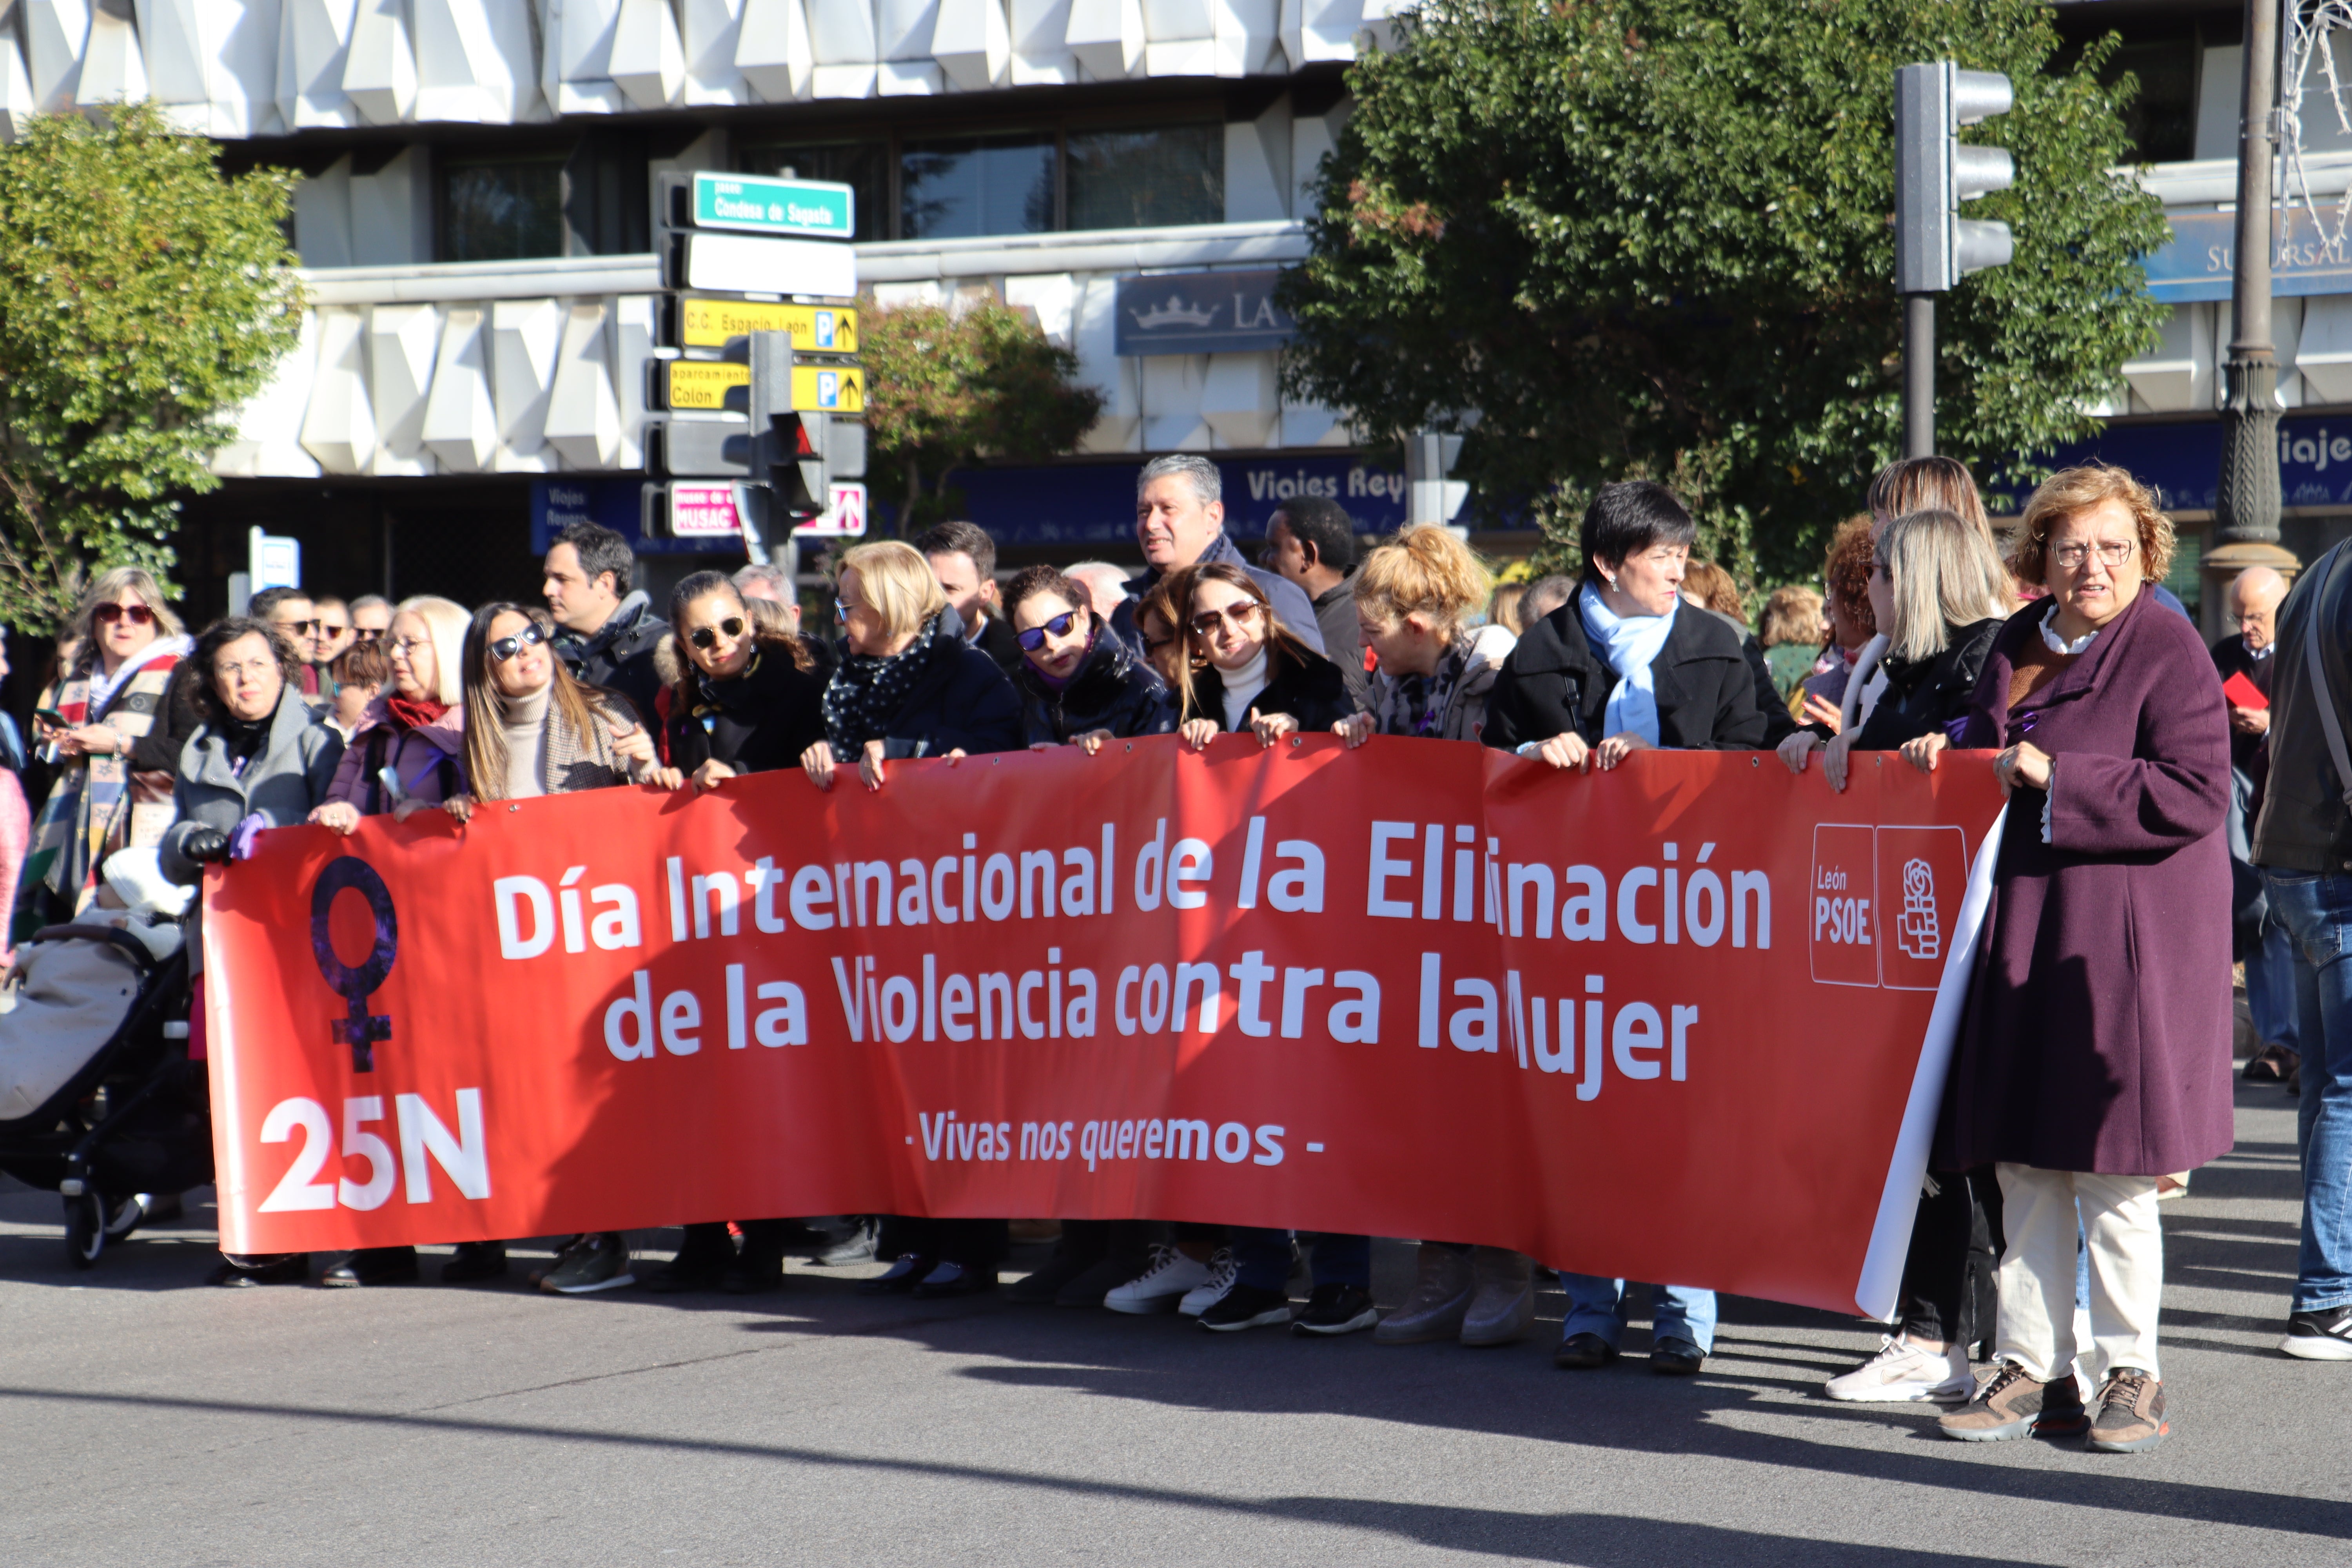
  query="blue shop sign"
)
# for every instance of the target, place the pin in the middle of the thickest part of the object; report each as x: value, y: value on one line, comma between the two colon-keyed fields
x: 2183, y: 462
x: 1093, y: 504
x: 1199, y: 313
x: 2196, y: 263
x: 616, y: 504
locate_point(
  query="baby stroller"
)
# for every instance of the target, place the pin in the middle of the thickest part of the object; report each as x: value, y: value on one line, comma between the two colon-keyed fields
x: 98, y: 1097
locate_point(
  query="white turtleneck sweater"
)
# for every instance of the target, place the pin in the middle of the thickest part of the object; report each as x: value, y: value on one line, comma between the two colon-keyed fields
x: 1242, y: 687
x: 524, y: 719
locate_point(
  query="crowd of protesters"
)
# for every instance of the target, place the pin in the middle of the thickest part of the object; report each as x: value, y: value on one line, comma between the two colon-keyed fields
x: 2092, y: 1068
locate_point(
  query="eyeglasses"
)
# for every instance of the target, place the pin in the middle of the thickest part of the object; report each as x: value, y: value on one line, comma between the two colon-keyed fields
x: 2112, y: 554
x: 1241, y: 613
x: 137, y: 615
x: 305, y: 627
x: 367, y: 633
x: 328, y: 628
x: 705, y: 636
x: 506, y: 648
x: 1035, y: 637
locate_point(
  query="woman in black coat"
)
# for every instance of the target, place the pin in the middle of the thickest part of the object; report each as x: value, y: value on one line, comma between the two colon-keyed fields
x: 1246, y: 671
x: 1625, y: 664
x: 909, y: 686
x: 1080, y: 685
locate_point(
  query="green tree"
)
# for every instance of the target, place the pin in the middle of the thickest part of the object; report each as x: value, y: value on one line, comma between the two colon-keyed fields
x: 142, y: 298
x: 947, y: 387
x: 1651, y: 239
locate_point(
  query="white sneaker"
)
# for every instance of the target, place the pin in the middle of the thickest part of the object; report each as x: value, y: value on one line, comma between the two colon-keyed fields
x: 1222, y: 1272
x: 1163, y: 1287
x: 1902, y: 1373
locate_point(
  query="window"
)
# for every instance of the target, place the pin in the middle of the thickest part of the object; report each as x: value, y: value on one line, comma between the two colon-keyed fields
x: 2187, y: 578
x: 952, y: 187
x: 863, y: 166
x: 501, y: 209
x: 1147, y: 178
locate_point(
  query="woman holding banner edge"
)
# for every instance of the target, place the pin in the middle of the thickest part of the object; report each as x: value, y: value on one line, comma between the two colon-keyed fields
x: 1618, y: 670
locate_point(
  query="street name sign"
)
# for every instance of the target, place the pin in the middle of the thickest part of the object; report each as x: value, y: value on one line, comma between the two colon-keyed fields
x: 705, y: 322
x: 761, y: 205
x: 817, y: 388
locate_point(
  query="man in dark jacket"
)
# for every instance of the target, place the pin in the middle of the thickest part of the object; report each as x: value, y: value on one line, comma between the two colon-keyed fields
x: 1180, y: 521
x: 963, y: 559
x: 606, y: 631
x: 2303, y: 841
x: 1311, y: 542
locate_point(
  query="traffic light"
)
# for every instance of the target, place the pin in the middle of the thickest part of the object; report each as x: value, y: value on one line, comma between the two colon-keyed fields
x: 1935, y: 247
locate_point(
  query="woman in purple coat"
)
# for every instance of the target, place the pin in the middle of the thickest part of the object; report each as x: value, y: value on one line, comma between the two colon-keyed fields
x: 2095, y: 1054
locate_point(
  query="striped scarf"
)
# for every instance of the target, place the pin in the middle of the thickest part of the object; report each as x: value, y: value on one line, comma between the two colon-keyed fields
x: 88, y: 814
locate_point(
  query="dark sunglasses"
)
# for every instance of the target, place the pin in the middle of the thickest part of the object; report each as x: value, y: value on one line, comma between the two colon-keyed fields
x: 305, y: 627
x: 367, y: 633
x: 707, y: 636
x: 1241, y: 613
x: 137, y: 615
x: 506, y: 648
x: 1035, y: 637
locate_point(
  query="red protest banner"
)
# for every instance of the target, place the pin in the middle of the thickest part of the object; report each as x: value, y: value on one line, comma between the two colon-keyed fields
x: 1671, y: 1022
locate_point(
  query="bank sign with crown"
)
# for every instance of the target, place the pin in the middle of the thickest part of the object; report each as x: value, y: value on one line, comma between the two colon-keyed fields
x: 1201, y: 313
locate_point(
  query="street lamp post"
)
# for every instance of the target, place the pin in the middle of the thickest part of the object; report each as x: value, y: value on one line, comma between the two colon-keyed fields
x: 2246, y: 516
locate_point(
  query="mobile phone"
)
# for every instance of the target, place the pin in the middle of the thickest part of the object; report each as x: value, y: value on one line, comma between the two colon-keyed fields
x: 52, y: 717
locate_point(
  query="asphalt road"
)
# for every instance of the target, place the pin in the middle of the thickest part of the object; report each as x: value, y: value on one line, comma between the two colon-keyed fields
x: 149, y: 1420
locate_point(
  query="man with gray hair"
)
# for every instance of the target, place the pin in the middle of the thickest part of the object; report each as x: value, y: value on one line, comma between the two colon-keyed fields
x: 1544, y: 595
x: 1105, y: 583
x: 1180, y: 521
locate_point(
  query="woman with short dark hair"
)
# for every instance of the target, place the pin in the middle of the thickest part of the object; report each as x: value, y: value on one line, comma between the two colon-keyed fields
x: 1079, y: 683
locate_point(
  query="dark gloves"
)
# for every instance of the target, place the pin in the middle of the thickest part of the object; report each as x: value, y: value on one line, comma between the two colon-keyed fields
x: 204, y: 845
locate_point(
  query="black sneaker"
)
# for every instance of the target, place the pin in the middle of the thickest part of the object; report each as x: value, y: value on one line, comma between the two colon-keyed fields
x: 1041, y: 1285
x: 475, y: 1261
x: 702, y: 1260
x: 758, y: 1269
x: 374, y: 1266
x: 1248, y: 1307
x: 1334, y: 1310
x: 857, y: 1245
x: 2323, y: 1335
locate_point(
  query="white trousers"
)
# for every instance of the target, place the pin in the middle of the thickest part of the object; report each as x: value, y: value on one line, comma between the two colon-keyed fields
x: 2039, y: 1211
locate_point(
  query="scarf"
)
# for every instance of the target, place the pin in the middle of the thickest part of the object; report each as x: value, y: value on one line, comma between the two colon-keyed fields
x: 412, y: 715
x: 1416, y: 704
x: 711, y: 696
x: 1628, y: 645
x: 1037, y: 671
x: 88, y: 814
x: 867, y: 690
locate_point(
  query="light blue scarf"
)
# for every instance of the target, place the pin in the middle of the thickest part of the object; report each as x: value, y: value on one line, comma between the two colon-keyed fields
x: 1629, y: 642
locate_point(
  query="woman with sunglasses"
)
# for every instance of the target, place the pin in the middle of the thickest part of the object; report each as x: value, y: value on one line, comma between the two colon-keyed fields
x: 1156, y: 622
x: 112, y: 726
x: 742, y: 698
x: 532, y: 730
x: 1079, y: 683
x: 1245, y: 671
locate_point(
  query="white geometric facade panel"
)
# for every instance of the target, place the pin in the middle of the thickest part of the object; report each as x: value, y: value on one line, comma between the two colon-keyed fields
x: 267, y: 443
x: 241, y: 39
x: 1039, y: 44
x: 973, y: 43
x: 1053, y: 296
x: 711, y: 31
x: 1238, y: 401
x: 924, y: 292
x: 576, y: 57
x: 1312, y: 425
x: 772, y: 49
x: 392, y: 213
x: 2179, y: 376
x: 15, y: 89
x: 171, y: 38
x: 2324, y: 349
x: 461, y: 424
x: 632, y: 345
x: 1105, y: 38
x: 380, y: 69
x: 474, y: 60
x: 1320, y: 30
x: 1248, y: 37
x: 1094, y: 339
x: 1311, y: 136
x: 314, y: 48
x: 584, y: 416
x: 56, y: 31
x: 525, y: 337
x: 403, y: 341
x: 1257, y: 166
x: 113, y: 69
x: 338, y: 427
x: 649, y: 59
x: 322, y: 217
x: 1172, y: 389
x: 844, y: 44
x: 2287, y: 340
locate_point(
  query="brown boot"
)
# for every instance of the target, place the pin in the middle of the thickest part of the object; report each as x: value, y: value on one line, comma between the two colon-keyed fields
x: 2131, y: 1414
x: 2013, y: 1405
x: 1440, y: 1299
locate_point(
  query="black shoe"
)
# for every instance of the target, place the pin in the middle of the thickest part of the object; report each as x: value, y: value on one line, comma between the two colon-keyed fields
x: 374, y: 1266
x: 1333, y: 1309
x: 701, y: 1263
x: 1248, y: 1307
x: 287, y: 1269
x: 1042, y: 1286
x: 798, y: 1239
x: 1583, y: 1352
x: 2323, y: 1335
x: 861, y: 1245
x: 1676, y: 1358
x: 1097, y: 1280
x: 955, y: 1279
x: 900, y: 1277
x: 755, y: 1271
x: 475, y: 1261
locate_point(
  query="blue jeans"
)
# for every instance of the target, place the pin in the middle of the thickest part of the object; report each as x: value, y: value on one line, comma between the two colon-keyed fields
x: 2270, y: 968
x: 2317, y: 912
x: 1263, y: 1256
x: 1598, y: 1305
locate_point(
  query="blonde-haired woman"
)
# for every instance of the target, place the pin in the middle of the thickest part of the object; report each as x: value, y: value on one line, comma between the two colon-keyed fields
x: 909, y: 685
x: 410, y: 743
x: 116, y: 743
x: 532, y: 730
x: 1414, y: 598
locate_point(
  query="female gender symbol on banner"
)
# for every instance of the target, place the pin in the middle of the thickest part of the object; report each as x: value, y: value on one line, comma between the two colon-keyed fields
x: 361, y: 1029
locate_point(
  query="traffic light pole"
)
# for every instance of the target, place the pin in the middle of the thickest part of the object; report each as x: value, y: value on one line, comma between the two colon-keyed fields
x: 1918, y: 375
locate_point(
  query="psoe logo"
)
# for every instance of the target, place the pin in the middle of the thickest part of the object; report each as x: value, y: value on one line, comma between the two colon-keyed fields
x: 1918, y: 931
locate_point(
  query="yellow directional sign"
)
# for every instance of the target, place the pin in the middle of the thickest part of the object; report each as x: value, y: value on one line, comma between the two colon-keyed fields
x: 708, y: 324
x: 817, y: 388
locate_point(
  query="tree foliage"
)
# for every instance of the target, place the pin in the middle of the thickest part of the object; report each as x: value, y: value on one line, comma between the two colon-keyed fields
x: 142, y: 298
x: 947, y: 386
x: 1653, y: 238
